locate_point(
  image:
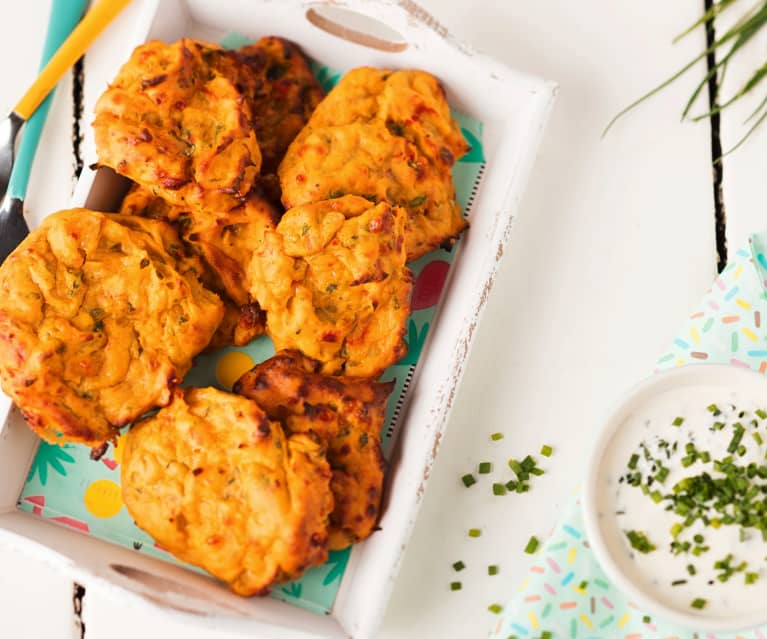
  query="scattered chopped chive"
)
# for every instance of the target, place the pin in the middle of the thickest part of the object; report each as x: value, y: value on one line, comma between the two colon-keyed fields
x: 688, y: 460
x: 485, y: 468
x: 714, y: 410
x: 546, y: 450
x: 646, y: 619
x: 717, y: 425
x: 760, y: 413
x: 583, y: 585
x: 698, y: 603
x: 458, y: 566
x: 499, y: 489
x: 705, y: 457
x: 699, y: 539
x: 639, y: 541
x: 496, y: 609
x: 468, y: 480
x: 546, y: 634
x: 515, y: 466
x: 532, y: 545
x: 511, y: 485
x: 537, y: 471
x: 633, y: 461
x: 751, y: 578
x: 656, y: 496
x: 662, y: 474
x: 528, y: 463
x: 522, y: 487
x: 496, y: 436
x: 455, y: 585
x: 757, y: 438
x: 691, y: 570
x: 735, y: 441
x: 679, y: 582
x: 492, y: 570
x: 678, y: 421
x: 475, y: 532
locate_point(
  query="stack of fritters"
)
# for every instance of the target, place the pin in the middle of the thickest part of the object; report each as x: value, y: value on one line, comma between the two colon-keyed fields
x: 387, y: 136
x: 102, y: 314
x: 100, y: 317
x: 169, y: 122
x: 333, y: 281
x: 219, y: 485
x: 347, y: 414
x: 225, y: 240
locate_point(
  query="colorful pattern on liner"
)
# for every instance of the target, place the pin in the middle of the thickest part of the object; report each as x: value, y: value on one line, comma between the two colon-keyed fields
x: 728, y: 328
x: 66, y: 486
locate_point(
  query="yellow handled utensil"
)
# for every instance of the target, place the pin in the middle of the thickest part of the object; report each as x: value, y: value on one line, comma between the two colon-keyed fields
x: 73, y: 48
x: 13, y: 227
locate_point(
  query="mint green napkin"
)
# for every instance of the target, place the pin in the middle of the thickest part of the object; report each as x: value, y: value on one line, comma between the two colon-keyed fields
x: 730, y: 327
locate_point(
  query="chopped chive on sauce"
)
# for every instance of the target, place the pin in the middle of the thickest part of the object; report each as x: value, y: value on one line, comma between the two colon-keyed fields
x: 633, y: 462
x: 458, y: 566
x: 698, y: 603
x: 679, y: 582
x: 678, y: 421
x: 751, y: 578
x: 639, y: 541
x: 496, y: 609
x: 760, y: 413
x: 546, y: 450
x: 475, y: 532
x: 485, y: 468
x: 468, y: 480
x: 532, y: 545
x: 496, y: 436
x: 714, y: 410
x: 455, y: 585
x: 492, y: 570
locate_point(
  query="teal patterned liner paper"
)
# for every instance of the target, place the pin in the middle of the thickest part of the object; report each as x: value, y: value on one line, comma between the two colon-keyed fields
x: 729, y: 327
x: 67, y: 487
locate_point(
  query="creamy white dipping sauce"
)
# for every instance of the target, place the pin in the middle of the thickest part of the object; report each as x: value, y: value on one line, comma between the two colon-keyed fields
x: 623, y: 507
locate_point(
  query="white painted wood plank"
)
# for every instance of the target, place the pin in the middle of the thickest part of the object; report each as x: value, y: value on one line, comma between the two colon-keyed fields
x: 35, y: 600
x: 745, y: 189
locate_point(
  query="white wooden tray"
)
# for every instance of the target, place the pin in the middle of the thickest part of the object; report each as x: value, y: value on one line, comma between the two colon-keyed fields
x: 513, y: 108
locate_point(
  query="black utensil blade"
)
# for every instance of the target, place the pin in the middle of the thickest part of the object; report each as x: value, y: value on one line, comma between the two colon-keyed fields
x: 9, y: 129
x: 13, y: 226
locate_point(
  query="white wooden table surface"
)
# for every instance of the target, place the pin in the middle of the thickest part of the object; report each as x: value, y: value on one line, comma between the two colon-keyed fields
x: 614, y: 247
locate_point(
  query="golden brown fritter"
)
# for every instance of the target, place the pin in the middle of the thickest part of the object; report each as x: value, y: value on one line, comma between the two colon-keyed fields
x: 225, y: 238
x: 385, y: 135
x: 219, y: 485
x: 345, y: 412
x: 274, y: 76
x: 333, y: 281
x: 100, y: 317
x: 171, y: 123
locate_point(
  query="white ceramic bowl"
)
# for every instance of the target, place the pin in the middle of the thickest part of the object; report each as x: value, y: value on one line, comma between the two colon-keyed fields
x: 598, y: 526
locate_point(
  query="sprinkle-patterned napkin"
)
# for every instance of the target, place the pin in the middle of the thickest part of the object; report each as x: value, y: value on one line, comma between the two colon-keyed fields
x: 730, y: 327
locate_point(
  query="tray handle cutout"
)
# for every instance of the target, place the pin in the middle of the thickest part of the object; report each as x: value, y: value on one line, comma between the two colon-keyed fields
x: 169, y: 593
x: 356, y: 27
